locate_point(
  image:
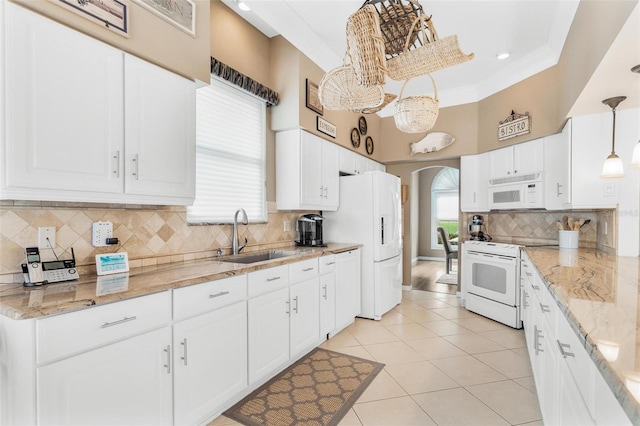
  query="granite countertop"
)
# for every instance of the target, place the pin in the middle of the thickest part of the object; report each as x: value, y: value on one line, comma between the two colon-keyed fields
x: 19, y: 302
x: 598, y: 293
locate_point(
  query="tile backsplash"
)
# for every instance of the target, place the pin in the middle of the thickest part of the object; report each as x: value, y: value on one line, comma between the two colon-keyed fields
x: 539, y: 227
x: 149, y: 234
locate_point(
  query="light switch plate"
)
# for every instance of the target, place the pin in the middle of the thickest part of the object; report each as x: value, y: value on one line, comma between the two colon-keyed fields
x: 101, y: 231
x: 45, y: 232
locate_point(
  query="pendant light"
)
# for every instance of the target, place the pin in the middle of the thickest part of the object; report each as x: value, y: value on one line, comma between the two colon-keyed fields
x: 612, y: 167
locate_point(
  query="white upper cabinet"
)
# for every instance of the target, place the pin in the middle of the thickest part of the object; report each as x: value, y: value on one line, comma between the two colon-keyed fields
x: 64, y: 108
x: 474, y: 195
x: 557, y: 169
x: 159, y: 132
x: 85, y: 122
x: 307, y: 172
x: 516, y: 160
x: 352, y: 163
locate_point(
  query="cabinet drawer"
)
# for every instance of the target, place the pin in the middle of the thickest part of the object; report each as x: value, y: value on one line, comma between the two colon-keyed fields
x: 79, y: 331
x: 266, y: 280
x: 201, y: 298
x: 303, y: 271
x: 327, y: 264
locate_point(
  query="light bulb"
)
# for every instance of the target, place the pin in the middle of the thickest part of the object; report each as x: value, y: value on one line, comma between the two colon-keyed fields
x: 612, y: 167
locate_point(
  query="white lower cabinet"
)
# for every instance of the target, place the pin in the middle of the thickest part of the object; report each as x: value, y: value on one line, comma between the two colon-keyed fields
x: 571, y: 390
x: 347, y: 288
x: 210, y: 362
x: 124, y: 383
x: 327, y: 295
x: 304, y: 323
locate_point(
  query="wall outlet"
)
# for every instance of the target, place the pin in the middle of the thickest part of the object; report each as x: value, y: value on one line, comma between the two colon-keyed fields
x: 101, y: 231
x: 44, y: 233
x: 287, y: 225
x: 608, y: 189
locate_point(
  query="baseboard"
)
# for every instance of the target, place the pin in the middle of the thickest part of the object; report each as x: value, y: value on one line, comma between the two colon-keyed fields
x: 436, y: 259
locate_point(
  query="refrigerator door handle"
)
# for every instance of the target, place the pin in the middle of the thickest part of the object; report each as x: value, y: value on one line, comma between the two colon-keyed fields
x: 382, y: 229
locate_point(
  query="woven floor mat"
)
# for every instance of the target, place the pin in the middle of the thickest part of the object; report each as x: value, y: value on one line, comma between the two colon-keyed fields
x: 319, y: 389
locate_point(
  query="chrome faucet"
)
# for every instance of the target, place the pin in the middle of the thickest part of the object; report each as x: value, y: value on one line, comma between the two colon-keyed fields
x: 236, y: 246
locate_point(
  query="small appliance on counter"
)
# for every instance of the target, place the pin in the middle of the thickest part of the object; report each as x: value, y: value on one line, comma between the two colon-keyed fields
x: 310, y: 231
x: 476, y: 229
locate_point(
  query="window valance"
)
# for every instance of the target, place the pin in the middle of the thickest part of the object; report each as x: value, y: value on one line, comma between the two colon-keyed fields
x: 227, y: 73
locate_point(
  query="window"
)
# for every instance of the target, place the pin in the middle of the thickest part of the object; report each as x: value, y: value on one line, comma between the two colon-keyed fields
x: 444, y: 205
x: 230, y: 155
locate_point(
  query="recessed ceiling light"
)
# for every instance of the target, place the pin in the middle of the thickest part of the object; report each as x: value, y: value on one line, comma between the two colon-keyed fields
x: 243, y: 6
x: 503, y: 55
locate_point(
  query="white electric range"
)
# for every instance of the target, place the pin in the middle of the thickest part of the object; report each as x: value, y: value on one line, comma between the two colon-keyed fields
x: 490, y: 280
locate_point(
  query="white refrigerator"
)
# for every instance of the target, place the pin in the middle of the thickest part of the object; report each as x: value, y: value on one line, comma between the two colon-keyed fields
x: 369, y: 214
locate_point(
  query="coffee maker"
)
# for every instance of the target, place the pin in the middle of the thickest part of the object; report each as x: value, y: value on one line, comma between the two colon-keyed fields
x: 476, y: 229
x: 310, y: 231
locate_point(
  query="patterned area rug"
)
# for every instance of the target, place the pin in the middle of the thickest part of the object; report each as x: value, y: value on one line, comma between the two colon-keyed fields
x: 448, y: 279
x: 317, y: 390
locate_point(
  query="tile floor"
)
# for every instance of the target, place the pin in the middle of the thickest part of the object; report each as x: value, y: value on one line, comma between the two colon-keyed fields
x: 444, y: 366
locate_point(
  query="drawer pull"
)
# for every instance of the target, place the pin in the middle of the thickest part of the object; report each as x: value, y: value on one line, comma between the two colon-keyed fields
x: 563, y: 352
x: 308, y: 269
x: 535, y: 287
x: 330, y: 263
x: 123, y: 320
x: 222, y: 293
x: 272, y: 279
x: 168, y: 364
x: 529, y: 274
x: 184, y: 350
x: 545, y: 308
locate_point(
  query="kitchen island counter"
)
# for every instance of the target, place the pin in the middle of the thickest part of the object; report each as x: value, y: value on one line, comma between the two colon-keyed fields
x: 598, y: 294
x: 19, y: 302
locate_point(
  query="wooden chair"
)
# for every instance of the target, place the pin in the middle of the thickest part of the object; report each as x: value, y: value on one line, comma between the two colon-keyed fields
x: 449, y: 254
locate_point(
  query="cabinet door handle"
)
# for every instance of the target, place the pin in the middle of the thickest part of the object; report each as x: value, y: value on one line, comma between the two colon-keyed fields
x: 515, y: 171
x: 558, y: 186
x: 526, y: 305
x: 321, y: 189
x: 222, y: 293
x: 324, y: 294
x: 122, y: 321
x: 272, y: 279
x: 136, y: 165
x: 326, y: 192
x: 288, y: 308
x: 295, y: 308
x: 474, y: 197
x: 564, y: 352
x: 536, y: 342
x: 116, y: 168
x: 184, y: 350
x: 168, y: 364
x: 308, y: 269
x: 545, y: 308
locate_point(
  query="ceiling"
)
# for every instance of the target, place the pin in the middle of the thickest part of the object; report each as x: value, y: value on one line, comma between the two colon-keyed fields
x: 532, y: 31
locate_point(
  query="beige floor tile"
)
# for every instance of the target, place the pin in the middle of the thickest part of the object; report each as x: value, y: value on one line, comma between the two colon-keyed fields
x: 480, y: 324
x: 423, y: 315
x: 449, y: 312
x: 432, y: 303
x: 446, y: 328
x: 510, y: 339
x: 358, y: 351
x: 393, y: 353
x: 435, y: 347
x: 522, y: 352
x: 420, y: 377
x: 466, y: 370
x: 402, y: 411
x: 473, y: 343
x: 536, y: 423
x: 370, y: 336
x: 527, y: 383
x: 363, y: 324
x: 395, y: 317
x: 457, y: 407
x: 350, y: 419
x: 382, y: 387
x: 223, y: 421
x: 411, y: 331
x: 507, y: 398
x: 418, y: 295
x: 341, y: 340
x: 508, y: 363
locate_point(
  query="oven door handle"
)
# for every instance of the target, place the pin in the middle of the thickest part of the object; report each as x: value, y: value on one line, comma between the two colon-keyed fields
x: 492, y: 258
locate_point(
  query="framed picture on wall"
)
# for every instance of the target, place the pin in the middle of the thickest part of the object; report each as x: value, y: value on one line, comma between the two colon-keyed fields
x: 180, y: 13
x: 313, y: 100
x: 112, y: 14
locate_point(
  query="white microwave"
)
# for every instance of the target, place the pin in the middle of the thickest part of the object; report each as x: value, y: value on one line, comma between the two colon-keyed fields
x: 523, y: 195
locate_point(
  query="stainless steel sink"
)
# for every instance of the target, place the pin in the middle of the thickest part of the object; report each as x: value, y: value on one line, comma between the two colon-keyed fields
x: 258, y: 257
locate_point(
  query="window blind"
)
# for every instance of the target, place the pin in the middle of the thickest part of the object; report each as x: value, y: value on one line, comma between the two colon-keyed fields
x: 230, y: 155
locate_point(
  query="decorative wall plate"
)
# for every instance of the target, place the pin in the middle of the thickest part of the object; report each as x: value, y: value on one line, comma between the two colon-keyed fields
x: 369, y: 145
x: 355, y: 137
x: 362, y: 125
